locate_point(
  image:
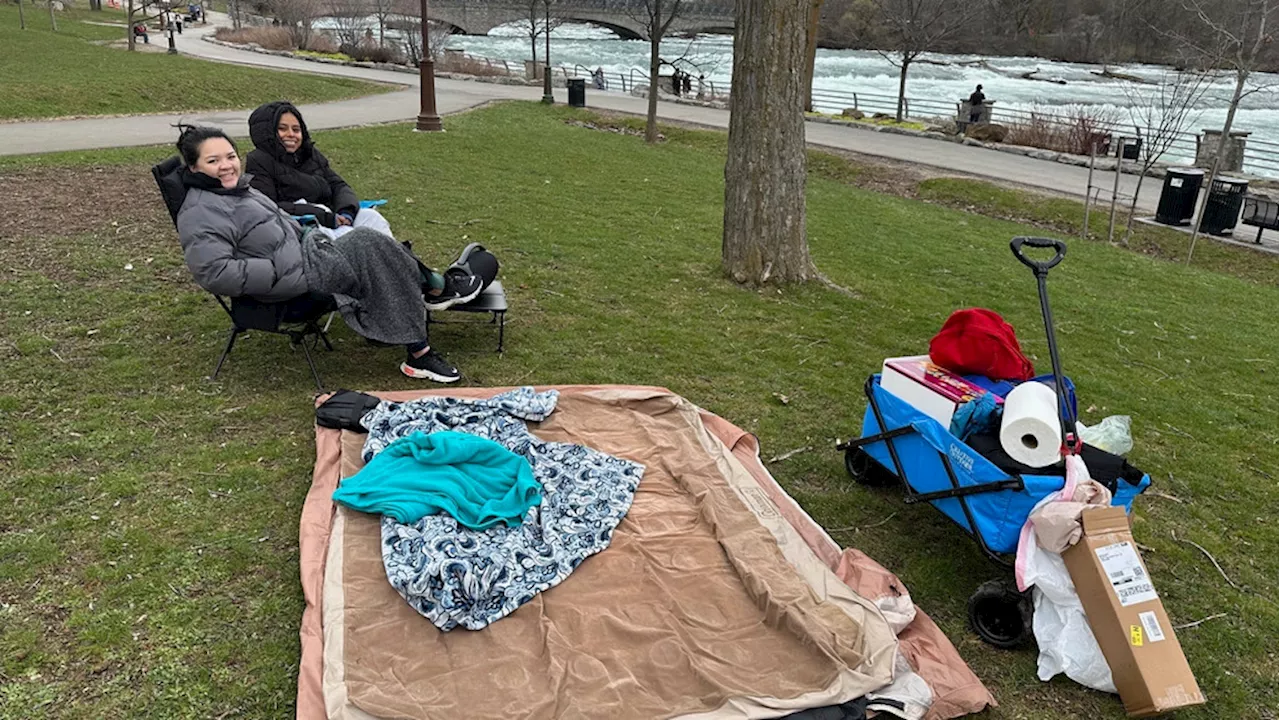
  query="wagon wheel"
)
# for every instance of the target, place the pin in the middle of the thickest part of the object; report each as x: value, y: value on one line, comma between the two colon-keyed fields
x: 1000, y: 615
x: 866, y: 471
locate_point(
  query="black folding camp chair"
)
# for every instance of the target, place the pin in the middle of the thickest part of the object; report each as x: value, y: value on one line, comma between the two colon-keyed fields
x: 297, y: 319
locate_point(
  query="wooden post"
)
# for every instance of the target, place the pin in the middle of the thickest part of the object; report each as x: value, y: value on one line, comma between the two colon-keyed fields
x: 1088, y: 191
x: 1115, y: 191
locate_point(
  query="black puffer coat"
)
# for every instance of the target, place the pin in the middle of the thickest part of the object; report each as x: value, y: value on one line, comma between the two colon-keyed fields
x: 287, y: 177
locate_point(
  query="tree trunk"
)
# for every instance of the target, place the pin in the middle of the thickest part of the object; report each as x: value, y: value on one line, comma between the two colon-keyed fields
x: 22, y: 17
x: 811, y: 51
x: 902, y: 89
x: 53, y: 20
x: 128, y: 26
x: 764, y: 211
x: 1241, y: 77
x: 533, y: 45
x: 1133, y: 206
x: 655, y: 64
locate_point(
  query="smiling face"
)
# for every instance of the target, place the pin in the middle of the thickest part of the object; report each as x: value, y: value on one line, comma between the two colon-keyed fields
x: 218, y: 159
x: 290, y: 131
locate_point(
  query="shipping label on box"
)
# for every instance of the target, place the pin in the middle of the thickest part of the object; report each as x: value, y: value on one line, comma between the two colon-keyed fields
x: 1127, y: 618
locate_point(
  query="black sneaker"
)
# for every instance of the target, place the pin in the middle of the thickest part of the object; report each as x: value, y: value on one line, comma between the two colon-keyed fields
x: 460, y: 287
x: 431, y: 365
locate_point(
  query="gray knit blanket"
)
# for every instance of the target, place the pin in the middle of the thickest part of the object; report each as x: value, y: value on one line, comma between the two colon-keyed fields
x: 375, y: 280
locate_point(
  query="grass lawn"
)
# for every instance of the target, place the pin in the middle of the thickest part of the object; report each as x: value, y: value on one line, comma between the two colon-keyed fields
x: 44, y: 74
x: 148, y: 518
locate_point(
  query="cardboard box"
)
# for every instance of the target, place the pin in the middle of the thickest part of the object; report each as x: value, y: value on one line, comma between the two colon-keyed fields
x: 1127, y: 617
x: 933, y: 390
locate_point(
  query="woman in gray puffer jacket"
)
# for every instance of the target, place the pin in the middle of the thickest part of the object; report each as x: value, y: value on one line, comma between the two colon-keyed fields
x: 237, y: 242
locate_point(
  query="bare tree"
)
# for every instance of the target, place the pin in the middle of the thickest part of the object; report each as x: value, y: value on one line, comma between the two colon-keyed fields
x: 656, y: 17
x: 811, y: 50
x: 914, y: 27
x: 764, y: 211
x: 538, y: 23
x: 410, y: 29
x: 382, y: 10
x: 348, y: 20
x: 136, y: 14
x: 1235, y: 36
x: 1160, y: 115
x: 22, y: 17
x: 53, y: 20
x: 296, y: 16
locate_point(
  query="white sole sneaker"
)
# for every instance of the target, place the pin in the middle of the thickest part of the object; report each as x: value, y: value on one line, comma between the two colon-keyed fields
x: 418, y: 374
x: 446, y: 304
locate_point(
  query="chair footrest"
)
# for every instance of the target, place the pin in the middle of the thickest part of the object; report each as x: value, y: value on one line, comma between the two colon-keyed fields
x: 493, y: 299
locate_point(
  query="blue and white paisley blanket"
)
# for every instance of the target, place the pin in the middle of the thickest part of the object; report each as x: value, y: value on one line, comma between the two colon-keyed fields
x: 456, y: 576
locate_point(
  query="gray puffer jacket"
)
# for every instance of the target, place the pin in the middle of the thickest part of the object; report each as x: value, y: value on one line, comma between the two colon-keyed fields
x: 237, y: 242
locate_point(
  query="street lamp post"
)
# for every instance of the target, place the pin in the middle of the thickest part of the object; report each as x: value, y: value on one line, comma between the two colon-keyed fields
x: 547, y: 97
x: 428, y: 119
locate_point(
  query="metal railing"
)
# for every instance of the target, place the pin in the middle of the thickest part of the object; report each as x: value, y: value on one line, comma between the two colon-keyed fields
x: 1260, y: 157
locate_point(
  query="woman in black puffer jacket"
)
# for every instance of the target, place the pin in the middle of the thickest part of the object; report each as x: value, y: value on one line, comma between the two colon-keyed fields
x: 236, y: 242
x: 287, y: 167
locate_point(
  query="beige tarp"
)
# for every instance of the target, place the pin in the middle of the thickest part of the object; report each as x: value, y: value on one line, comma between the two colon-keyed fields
x: 718, y: 597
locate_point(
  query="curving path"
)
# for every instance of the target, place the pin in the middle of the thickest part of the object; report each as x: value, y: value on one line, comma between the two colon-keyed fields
x: 456, y: 95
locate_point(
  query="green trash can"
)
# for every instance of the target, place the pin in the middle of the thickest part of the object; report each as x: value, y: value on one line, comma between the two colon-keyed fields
x: 1223, y: 209
x: 577, y: 92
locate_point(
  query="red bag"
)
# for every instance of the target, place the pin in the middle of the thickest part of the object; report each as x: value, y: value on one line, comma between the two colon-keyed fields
x: 977, y: 341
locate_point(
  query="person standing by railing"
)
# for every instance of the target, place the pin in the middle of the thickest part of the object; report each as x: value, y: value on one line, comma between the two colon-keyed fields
x: 975, y: 105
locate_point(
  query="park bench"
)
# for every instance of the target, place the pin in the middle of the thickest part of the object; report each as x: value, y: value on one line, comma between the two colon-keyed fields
x: 1260, y: 212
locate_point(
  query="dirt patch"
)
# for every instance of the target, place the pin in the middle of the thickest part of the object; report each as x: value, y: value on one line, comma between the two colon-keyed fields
x: 611, y: 128
x: 69, y: 201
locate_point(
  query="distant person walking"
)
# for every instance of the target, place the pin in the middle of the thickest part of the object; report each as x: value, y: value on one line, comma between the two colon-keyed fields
x: 975, y: 105
x: 702, y: 86
x: 687, y: 81
x: 675, y: 82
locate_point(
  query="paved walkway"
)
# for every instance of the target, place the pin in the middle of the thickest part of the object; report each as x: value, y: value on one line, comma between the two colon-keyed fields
x: 456, y: 95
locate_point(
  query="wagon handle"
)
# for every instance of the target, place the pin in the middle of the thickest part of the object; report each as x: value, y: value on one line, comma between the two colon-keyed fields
x: 1039, y: 266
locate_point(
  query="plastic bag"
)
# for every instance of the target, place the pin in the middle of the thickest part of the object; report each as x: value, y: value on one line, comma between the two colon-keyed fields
x: 1112, y: 434
x: 1062, y: 631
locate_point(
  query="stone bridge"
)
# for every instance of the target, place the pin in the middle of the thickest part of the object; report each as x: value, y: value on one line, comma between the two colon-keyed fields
x: 627, y: 18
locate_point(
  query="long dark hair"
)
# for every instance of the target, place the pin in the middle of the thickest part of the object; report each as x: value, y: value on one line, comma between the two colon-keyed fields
x: 193, y: 136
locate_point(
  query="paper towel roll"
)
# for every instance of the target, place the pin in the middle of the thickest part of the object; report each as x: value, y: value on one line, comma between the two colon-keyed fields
x: 1030, y: 430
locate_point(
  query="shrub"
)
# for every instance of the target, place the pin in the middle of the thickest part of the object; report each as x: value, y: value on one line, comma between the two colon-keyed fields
x: 1072, y: 129
x: 321, y: 43
x: 370, y: 52
x: 270, y: 38
x: 470, y: 65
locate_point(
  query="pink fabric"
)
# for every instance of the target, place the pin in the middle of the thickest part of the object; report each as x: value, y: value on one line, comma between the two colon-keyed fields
x: 1056, y: 519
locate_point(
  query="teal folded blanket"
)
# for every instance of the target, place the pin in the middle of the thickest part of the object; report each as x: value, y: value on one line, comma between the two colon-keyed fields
x: 476, y: 481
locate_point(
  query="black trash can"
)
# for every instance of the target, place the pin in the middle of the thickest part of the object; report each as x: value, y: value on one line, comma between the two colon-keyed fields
x: 1178, y: 197
x: 1131, y: 149
x: 1223, y: 209
x: 577, y: 92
